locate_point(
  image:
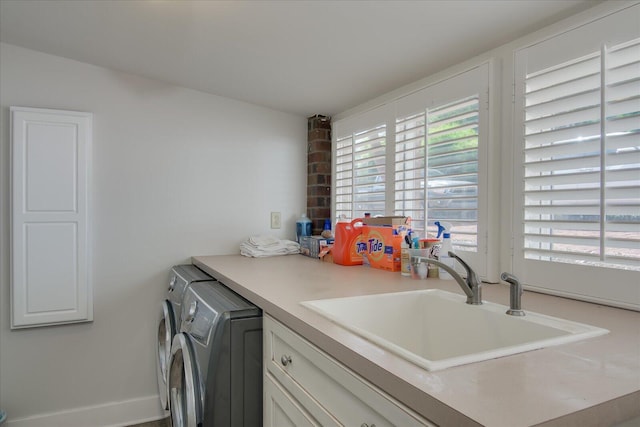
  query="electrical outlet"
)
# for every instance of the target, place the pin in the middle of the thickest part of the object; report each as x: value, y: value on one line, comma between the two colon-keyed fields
x: 275, y: 220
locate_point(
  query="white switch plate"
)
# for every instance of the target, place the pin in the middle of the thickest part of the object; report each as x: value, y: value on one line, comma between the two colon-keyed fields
x: 275, y: 220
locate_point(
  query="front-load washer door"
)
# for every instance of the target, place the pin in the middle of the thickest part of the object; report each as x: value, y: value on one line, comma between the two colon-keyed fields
x: 166, y: 330
x: 184, y: 398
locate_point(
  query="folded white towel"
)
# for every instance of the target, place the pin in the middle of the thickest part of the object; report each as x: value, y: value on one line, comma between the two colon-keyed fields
x: 265, y: 246
x: 264, y: 241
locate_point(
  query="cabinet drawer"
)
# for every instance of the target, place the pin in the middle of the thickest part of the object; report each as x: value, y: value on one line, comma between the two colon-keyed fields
x: 313, y: 378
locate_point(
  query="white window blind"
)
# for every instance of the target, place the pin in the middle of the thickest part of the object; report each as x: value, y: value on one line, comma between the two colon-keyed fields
x: 343, y: 188
x: 439, y: 149
x: 361, y: 173
x: 577, y: 155
x: 423, y: 155
x: 582, y: 160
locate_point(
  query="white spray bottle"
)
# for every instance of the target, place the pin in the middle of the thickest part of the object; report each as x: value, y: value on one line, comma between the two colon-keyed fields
x: 444, y: 228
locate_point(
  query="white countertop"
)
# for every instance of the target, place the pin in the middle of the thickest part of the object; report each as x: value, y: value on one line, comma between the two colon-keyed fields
x: 590, y: 382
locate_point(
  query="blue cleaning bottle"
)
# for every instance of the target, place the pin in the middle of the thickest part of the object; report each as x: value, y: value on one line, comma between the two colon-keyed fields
x: 303, y: 227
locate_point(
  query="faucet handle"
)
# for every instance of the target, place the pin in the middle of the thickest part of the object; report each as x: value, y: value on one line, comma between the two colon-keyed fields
x: 472, y: 278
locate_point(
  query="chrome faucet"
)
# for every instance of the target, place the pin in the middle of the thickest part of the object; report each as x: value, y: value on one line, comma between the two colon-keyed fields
x: 470, y: 286
x: 515, y: 302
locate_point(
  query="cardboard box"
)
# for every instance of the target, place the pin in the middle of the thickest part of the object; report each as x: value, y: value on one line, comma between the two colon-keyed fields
x: 383, y: 242
x: 388, y: 221
x: 311, y: 246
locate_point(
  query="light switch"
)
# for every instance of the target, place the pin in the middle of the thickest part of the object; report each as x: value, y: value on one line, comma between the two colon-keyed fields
x: 275, y: 220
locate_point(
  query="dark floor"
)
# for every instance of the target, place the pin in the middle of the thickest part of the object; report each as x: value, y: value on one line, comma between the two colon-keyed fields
x: 160, y: 423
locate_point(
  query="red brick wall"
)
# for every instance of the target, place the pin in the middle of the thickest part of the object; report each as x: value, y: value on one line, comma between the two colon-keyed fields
x: 319, y: 171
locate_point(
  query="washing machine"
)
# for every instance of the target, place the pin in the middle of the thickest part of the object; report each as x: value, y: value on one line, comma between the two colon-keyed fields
x: 215, y: 369
x: 180, y: 277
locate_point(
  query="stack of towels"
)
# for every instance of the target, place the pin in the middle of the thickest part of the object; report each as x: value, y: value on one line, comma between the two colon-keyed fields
x: 264, y: 246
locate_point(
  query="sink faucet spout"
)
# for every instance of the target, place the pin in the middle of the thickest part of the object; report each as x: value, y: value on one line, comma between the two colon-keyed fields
x: 471, y: 286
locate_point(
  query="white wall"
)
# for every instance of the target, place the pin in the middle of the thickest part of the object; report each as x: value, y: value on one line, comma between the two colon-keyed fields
x: 176, y: 173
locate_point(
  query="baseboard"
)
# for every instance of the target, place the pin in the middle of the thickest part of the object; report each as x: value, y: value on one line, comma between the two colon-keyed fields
x: 113, y: 414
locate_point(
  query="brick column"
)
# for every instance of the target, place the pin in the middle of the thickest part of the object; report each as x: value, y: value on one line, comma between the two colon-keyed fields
x: 319, y: 171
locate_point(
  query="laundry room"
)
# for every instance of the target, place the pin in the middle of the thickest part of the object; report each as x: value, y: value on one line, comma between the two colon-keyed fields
x: 199, y: 133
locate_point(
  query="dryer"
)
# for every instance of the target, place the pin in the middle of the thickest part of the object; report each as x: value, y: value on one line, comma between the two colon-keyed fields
x: 215, y: 370
x: 180, y: 277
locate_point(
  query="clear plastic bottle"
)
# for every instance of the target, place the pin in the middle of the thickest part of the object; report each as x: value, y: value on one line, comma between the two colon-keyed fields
x: 444, y: 228
x: 444, y: 256
x: 405, y: 265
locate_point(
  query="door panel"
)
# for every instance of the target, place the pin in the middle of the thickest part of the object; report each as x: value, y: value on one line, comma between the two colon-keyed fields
x: 50, y: 275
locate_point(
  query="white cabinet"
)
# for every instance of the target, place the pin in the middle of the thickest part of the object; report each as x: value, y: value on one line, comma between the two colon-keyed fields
x: 49, y: 217
x: 305, y: 386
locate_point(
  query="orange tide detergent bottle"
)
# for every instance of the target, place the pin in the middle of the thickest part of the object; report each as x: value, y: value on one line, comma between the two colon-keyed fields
x: 347, y: 246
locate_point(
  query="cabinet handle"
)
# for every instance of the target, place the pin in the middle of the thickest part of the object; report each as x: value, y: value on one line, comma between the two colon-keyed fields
x: 285, y: 360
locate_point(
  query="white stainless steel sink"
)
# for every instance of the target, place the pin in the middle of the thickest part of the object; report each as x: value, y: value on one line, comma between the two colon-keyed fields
x: 436, y: 329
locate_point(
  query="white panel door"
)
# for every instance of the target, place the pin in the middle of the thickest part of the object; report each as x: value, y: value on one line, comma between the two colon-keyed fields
x: 51, y: 153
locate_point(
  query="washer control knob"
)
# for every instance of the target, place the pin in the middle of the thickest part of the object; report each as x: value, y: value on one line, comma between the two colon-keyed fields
x: 172, y: 283
x: 191, y: 313
x: 285, y: 360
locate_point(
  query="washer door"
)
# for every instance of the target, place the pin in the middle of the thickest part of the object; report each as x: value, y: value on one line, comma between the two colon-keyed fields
x: 183, y: 396
x: 166, y: 331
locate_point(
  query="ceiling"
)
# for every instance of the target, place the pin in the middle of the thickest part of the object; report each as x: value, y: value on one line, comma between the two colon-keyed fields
x: 301, y: 57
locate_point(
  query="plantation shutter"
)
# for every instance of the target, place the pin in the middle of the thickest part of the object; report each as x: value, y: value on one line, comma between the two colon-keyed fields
x: 360, y: 165
x: 577, y: 106
x: 622, y: 154
x: 344, y: 177
x: 439, y: 149
x: 410, y: 170
x: 452, y: 164
x: 361, y: 173
x: 422, y: 155
x: 582, y: 183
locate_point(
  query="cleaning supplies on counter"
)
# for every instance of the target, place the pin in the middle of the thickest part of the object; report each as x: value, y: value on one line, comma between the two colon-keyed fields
x: 303, y: 227
x: 444, y: 228
x: 405, y: 262
x: 382, y: 238
x: 433, y: 251
x: 313, y: 246
x: 419, y: 268
x: 347, y: 245
x: 266, y: 246
x: 326, y: 230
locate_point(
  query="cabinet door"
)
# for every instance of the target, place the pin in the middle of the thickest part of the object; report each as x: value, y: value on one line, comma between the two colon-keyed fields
x: 50, y: 251
x: 281, y: 410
